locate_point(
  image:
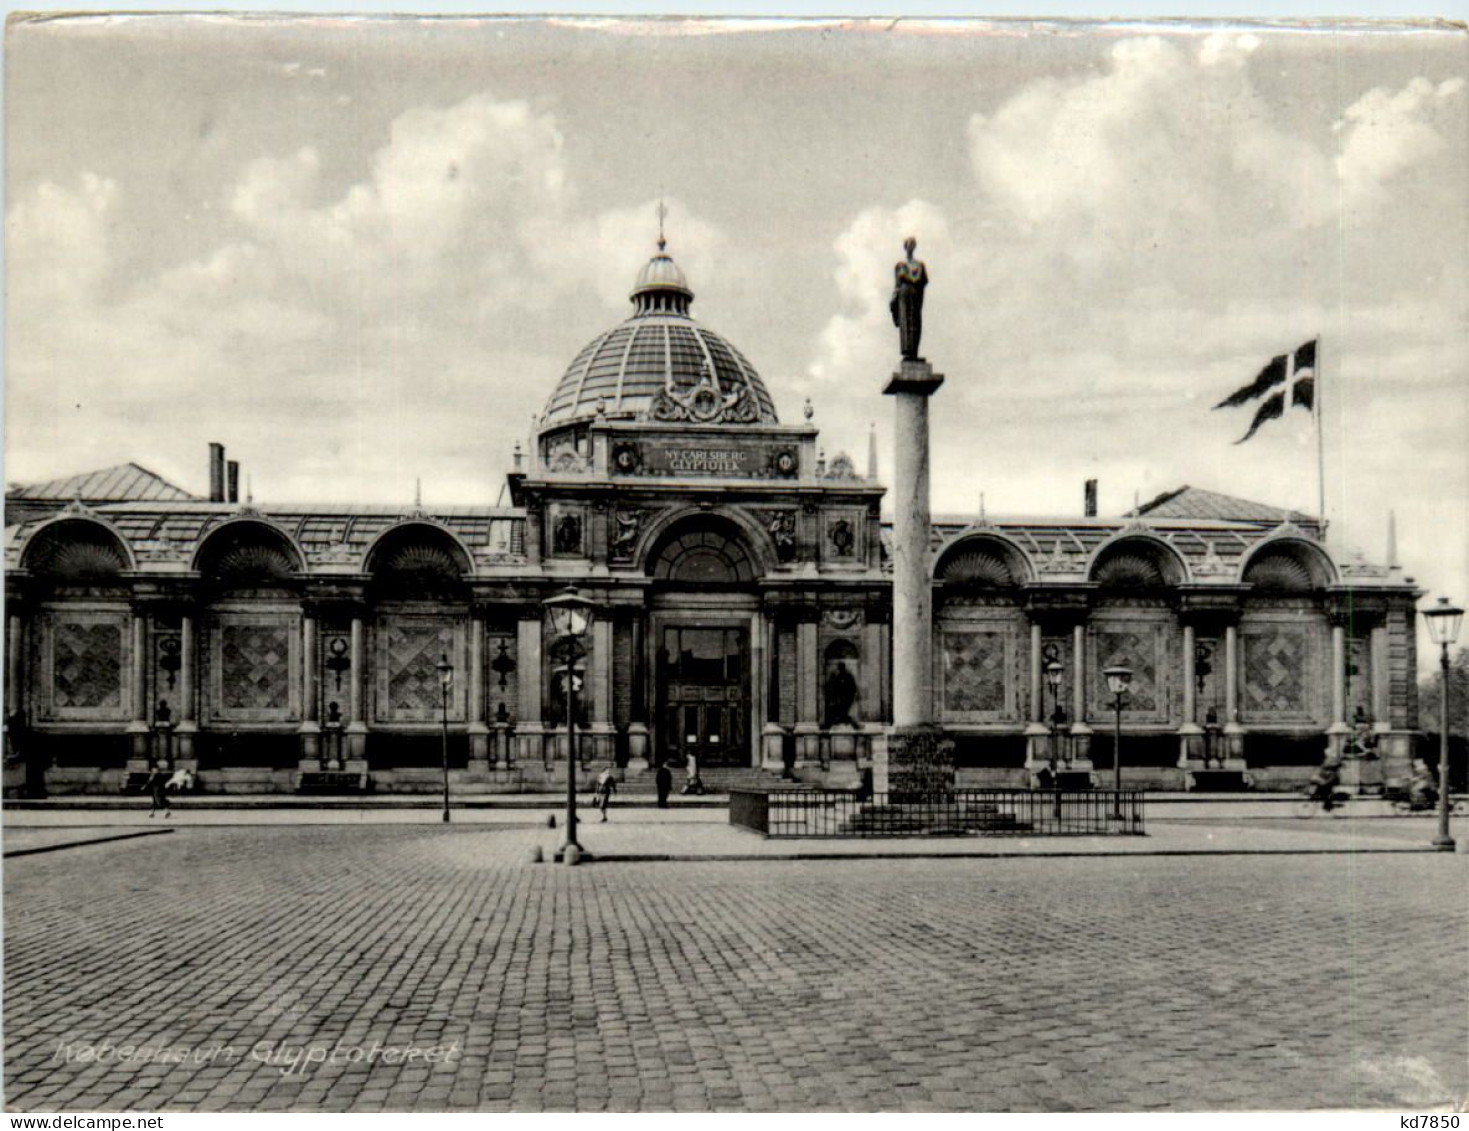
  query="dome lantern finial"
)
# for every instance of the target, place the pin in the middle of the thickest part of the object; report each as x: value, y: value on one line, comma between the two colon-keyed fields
x: 661, y: 287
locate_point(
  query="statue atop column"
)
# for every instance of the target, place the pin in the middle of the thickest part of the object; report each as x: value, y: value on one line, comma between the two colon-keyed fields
x: 910, y: 277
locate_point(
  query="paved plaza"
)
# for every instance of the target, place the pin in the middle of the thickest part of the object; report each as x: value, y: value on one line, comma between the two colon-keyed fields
x: 412, y: 966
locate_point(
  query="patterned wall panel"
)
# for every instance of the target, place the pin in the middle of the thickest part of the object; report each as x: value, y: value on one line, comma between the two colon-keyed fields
x: 1139, y: 647
x: 1276, y: 670
x: 974, y: 666
x: 87, y: 664
x: 253, y: 661
x: 407, y: 678
x: 255, y: 666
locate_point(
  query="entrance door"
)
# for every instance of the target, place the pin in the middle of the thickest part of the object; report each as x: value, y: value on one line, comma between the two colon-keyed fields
x: 705, y: 702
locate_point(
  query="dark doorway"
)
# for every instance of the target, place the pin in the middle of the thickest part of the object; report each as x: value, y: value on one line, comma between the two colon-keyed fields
x: 703, y: 683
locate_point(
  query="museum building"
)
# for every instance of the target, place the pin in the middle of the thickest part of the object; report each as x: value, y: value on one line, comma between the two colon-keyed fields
x: 742, y: 615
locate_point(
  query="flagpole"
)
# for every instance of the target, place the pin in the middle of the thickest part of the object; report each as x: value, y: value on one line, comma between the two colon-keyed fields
x: 1319, y: 382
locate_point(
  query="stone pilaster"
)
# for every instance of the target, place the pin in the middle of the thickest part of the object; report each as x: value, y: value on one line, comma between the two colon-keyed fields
x: 479, y: 733
x: 528, y: 726
x: 356, y: 705
x: 310, y: 728
x: 188, y: 726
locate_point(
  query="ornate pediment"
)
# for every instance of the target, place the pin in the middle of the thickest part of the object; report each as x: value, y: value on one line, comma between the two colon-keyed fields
x: 705, y: 403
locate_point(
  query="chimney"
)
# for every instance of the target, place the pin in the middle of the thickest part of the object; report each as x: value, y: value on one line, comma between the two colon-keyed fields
x: 234, y: 480
x: 1091, y: 498
x: 216, y: 473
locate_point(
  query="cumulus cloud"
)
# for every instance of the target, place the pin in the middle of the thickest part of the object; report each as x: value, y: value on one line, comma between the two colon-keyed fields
x: 343, y: 321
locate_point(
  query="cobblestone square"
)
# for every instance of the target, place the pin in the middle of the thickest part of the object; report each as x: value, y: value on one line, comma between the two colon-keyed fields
x: 271, y: 961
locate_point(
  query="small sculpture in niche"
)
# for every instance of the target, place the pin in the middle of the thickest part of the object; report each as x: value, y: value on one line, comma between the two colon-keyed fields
x: 629, y: 521
x: 567, y: 534
x: 842, y: 538
x: 333, y: 714
x: 783, y: 531
x: 841, y: 693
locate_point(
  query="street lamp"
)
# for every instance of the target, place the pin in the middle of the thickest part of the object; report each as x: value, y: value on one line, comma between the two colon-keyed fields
x: 1053, y: 681
x: 571, y: 616
x: 1443, y: 626
x: 446, y: 680
x: 1119, y: 680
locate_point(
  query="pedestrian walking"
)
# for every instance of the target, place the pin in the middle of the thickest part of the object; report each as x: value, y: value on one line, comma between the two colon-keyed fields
x: 606, y: 787
x: 664, y: 780
x: 157, y: 786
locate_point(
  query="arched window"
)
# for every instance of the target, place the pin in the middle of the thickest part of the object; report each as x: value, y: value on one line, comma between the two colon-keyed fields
x: 703, y: 556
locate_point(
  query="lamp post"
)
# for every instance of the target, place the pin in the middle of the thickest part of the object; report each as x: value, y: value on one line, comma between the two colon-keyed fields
x: 1443, y: 626
x: 1119, y: 680
x: 446, y: 680
x: 1053, y: 681
x: 571, y: 617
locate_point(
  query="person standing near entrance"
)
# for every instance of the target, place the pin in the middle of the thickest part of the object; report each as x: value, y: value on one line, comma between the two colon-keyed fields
x: 664, y: 780
x: 606, y: 787
x: 157, y: 786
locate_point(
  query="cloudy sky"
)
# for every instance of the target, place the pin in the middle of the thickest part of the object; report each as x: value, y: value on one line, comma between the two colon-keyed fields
x: 362, y: 251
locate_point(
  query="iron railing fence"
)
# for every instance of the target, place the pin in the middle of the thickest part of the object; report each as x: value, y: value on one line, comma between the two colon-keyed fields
x: 965, y: 812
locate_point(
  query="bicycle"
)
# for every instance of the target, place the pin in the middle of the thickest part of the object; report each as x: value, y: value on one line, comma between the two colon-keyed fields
x: 1406, y: 807
x: 1313, y: 803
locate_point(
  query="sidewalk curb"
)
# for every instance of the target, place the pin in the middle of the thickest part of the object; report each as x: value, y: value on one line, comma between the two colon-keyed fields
x: 83, y: 843
x: 726, y: 857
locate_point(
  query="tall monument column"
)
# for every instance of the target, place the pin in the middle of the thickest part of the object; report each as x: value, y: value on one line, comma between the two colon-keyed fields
x: 915, y: 761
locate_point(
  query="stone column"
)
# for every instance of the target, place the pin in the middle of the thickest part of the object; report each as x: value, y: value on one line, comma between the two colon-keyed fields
x: 188, y: 691
x: 808, y: 695
x: 1234, y: 732
x: 528, y: 727
x: 1381, y: 679
x: 759, y: 684
x: 310, y: 728
x: 1037, y: 731
x: 1081, y: 733
x: 479, y: 733
x: 356, y: 717
x: 601, y: 728
x: 1338, y: 731
x: 639, y: 747
x: 14, y: 663
x: 138, y: 674
x: 912, y: 761
x: 1190, y: 734
x: 772, y: 734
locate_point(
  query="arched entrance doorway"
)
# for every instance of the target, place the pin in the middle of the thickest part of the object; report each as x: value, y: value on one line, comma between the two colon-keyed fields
x: 703, y: 612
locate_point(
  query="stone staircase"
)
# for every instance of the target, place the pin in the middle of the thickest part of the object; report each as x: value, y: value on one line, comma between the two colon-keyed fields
x: 717, y: 780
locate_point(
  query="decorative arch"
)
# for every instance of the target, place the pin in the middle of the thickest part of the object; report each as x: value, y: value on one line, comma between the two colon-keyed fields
x: 1134, y: 562
x: 77, y: 548
x: 754, y: 543
x: 983, y: 560
x: 418, y: 558
x: 249, y: 553
x: 704, y: 555
x: 1287, y: 564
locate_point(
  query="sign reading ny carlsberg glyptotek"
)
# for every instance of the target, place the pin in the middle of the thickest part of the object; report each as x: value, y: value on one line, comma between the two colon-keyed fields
x: 732, y: 460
